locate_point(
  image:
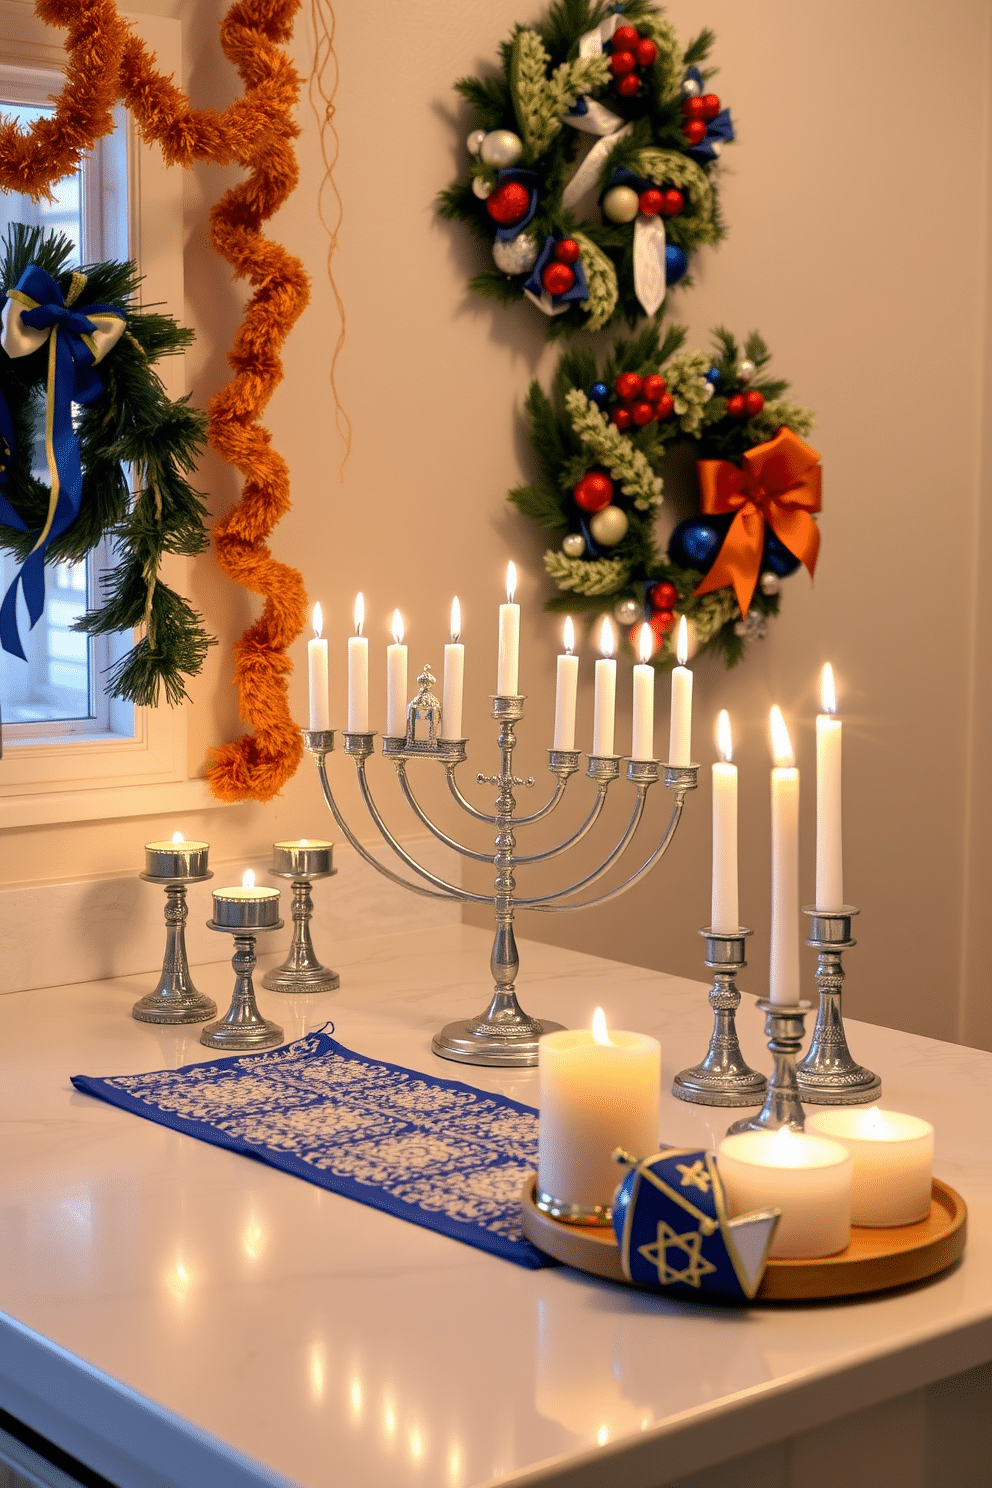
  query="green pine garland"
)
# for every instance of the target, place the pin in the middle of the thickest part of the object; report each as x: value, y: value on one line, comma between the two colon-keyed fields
x: 133, y: 423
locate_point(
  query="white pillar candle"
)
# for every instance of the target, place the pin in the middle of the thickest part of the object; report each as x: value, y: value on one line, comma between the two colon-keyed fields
x: 598, y: 1090
x: 508, y: 660
x: 396, y: 698
x: 829, y: 834
x: 893, y: 1162
x: 320, y: 708
x: 724, y: 907
x: 783, y: 982
x: 642, y: 716
x: 566, y: 689
x: 807, y: 1178
x: 358, y: 674
x: 605, y: 694
x: 680, y: 737
x: 454, y: 678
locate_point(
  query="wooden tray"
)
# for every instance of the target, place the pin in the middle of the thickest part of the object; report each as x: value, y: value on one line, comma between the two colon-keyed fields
x: 875, y: 1260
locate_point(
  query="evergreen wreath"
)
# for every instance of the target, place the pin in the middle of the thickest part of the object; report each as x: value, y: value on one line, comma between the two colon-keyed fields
x: 617, y: 73
x: 131, y: 422
x: 599, y: 443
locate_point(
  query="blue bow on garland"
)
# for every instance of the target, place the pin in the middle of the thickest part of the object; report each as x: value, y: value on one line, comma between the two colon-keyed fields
x: 534, y: 285
x: 35, y: 312
x: 529, y: 180
x: 719, y: 131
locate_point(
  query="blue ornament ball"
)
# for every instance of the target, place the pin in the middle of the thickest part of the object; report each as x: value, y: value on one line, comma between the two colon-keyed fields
x: 777, y: 557
x: 713, y: 374
x: 696, y: 542
x: 599, y: 393
x: 676, y: 263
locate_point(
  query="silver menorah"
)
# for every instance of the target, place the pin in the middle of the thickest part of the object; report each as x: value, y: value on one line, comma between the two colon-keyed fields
x: 503, y: 1034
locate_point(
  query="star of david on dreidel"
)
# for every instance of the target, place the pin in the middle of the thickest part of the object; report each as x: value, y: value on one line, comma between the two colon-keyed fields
x: 243, y: 913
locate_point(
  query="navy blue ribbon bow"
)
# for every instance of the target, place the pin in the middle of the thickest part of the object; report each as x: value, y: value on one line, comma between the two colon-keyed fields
x: 580, y: 288
x: 719, y: 131
x: 77, y: 340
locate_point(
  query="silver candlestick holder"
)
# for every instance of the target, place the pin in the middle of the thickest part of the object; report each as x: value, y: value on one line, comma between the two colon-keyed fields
x: 242, y: 1026
x: 503, y: 1034
x: 830, y: 1075
x: 723, y: 1077
x: 785, y: 1026
x: 175, y: 998
x: 302, y: 863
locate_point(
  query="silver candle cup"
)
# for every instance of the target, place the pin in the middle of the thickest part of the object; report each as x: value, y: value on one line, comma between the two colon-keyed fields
x: 246, y: 909
x: 302, y: 862
x: 171, y: 862
x: 175, y: 999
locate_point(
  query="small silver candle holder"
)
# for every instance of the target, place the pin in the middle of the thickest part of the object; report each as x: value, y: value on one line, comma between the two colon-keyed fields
x: 785, y: 1026
x: 301, y: 971
x: 175, y: 998
x: 242, y: 1026
x: 723, y: 1077
x: 830, y: 1075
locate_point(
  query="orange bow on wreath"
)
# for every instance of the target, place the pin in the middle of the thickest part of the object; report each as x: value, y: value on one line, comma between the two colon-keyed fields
x: 780, y: 485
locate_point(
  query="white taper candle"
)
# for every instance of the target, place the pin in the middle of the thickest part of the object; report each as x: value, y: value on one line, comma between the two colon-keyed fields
x: 320, y: 707
x: 724, y: 907
x: 358, y: 673
x: 566, y: 689
x: 454, y: 678
x: 396, y: 698
x: 508, y: 660
x: 680, y: 736
x: 605, y: 694
x: 829, y: 828
x: 783, y: 982
x: 642, y: 714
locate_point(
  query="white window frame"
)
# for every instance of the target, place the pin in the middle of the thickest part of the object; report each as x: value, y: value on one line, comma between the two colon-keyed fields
x: 93, y: 778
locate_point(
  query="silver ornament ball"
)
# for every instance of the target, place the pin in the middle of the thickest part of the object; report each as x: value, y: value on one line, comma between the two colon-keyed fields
x: 707, y: 391
x: 517, y: 256
x: 621, y: 204
x: 501, y: 147
x: 481, y: 188
x: 691, y: 89
x: 609, y: 526
x: 474, y: 141
x: 746, y: 370
x: 770, y: 582
x: 627, y: 612
x: 574, y: 545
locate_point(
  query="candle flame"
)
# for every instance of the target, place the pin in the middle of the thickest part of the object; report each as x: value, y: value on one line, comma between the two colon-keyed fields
x: 178, y: 837
x: 828, y: 692
x: 359, y: 612
x: 875, y: 1122
x: 607, y: 642
x: 682, y: 644
x: 456, y: 619
x: 600, y: 1032
x: 569, y: 634
x: 724, y: 739
x: 511, y: 582
x: 318, y: 620
x: 248, y: 879
x: 781, y: 743
x: 397, y: 627
x: 645, y: 643
x: 303, y: 842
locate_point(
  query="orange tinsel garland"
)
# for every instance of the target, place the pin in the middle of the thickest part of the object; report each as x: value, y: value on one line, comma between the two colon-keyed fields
x: 107, y: 62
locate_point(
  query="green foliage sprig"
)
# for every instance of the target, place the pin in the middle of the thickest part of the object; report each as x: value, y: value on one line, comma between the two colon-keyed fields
x: 133, y: 425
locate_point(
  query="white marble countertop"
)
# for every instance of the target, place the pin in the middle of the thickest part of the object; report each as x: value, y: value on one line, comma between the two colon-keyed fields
x: 173, y: 1314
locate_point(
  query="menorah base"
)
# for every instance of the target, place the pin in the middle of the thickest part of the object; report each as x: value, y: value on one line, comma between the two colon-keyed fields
x: 509, y: 1046
x: 309, y: 979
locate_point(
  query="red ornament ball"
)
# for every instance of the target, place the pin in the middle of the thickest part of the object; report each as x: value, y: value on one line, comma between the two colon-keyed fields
x: 557, y: 278
x: 629, y: 386
x: 627, y: 86
x: 753, y: 402
x: 566, y: 251
x: 646, y: 52
x: 664, y: 596
x: 694, y: 131
x: 620, y: 418
x: 593, y: 492
x: 692, y: 108
x: 621, y: 63
x: 509, y: 203
x: 661, y: 621
x: 665, y: 405
x: 735, y: 405
x: 650, y: 202
x: 653, y: 388
x: 642, y: 413
x: 672, y: 202
x: 711, y: 106
x: 625, y: 39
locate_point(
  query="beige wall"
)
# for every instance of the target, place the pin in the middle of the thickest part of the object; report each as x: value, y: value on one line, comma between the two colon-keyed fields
x: 856, y: 202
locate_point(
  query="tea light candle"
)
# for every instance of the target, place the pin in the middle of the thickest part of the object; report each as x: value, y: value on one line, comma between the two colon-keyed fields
x: 454, y: 678
x: 396, y: 681
x: 508, y: 658
x: 598, y: 1090
x: 642, y: 715
x: 604, y: 701
x: 305, y: 858
x: 807, y: 1178
x: 246, y: 908
x: 893, y: 1162
x: 358, y: 673
x: 175, y: 860
x: 566, y: 689
x: 320, y: 707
